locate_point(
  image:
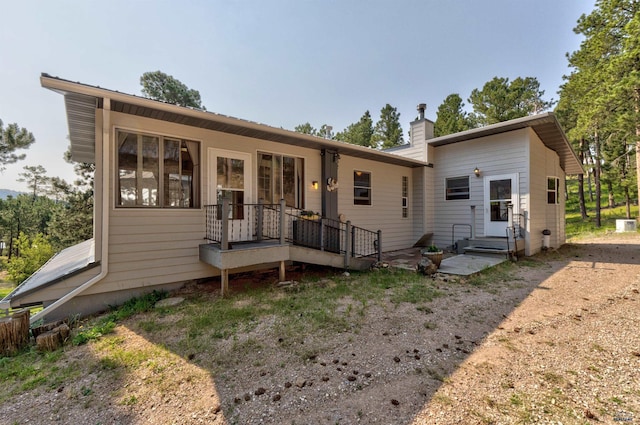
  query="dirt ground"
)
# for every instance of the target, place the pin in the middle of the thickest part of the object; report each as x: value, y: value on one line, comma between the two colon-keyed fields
x: 558, y: 342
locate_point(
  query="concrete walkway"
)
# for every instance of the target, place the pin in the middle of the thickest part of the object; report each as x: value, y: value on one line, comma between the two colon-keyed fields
x: 465, y: 265
x: 462, y: 265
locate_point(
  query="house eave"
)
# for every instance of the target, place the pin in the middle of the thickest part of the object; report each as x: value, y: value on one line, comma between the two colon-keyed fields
x: 545, y: 125
x: 79, y: 97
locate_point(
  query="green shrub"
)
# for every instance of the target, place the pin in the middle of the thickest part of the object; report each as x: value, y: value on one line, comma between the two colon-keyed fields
x: 33, y: 253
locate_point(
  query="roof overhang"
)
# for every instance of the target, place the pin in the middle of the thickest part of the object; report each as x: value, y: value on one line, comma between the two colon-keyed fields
x: 545, y: 125
x: 82, y: 100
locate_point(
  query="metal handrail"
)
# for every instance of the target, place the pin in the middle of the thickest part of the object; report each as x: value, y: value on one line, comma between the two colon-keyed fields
x: 227, y: 222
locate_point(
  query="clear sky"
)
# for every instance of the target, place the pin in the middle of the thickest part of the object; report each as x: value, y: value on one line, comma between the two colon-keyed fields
x: 280, y: 62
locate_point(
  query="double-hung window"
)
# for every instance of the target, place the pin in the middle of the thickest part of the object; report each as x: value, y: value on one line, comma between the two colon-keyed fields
x: 281, y: 177
x: 361, y: 188
x: 157, y: 171
x: 553, y: 190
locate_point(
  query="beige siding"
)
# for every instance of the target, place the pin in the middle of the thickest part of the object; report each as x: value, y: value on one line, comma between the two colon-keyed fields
x: 413, y: 152
x: 494, y: 155
x: 385, y: 211
x: 60, y: 289
x: 155, y: 246
x: 545, y: 163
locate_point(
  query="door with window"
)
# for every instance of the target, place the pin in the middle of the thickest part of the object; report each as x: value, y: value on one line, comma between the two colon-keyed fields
x: 230, y: 175
x: 499, y: 191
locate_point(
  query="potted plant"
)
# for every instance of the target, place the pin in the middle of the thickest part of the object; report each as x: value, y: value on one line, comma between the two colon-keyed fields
x: 434, y: 254
x: 309, y: 215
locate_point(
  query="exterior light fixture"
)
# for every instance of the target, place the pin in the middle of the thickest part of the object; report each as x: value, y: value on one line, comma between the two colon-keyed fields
x: 476, y: 171
x: 315, y: 184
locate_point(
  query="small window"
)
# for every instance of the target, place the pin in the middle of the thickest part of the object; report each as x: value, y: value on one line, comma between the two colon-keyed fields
x: 553, y: 190
x: 457, y: 188
x: 361, y: 188
x: 405, y: 196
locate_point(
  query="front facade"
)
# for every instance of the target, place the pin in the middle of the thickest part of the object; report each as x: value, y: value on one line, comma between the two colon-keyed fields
x: 183, y: 195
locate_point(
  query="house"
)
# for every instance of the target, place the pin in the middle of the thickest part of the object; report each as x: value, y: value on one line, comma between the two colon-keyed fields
x: 488, y: 183
x: 183, y: 194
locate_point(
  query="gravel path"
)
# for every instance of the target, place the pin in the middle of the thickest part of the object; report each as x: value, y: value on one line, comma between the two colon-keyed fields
x: 557, y: 340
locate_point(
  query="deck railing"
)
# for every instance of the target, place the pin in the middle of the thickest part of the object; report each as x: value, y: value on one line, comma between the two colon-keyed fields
x: 227, y: 223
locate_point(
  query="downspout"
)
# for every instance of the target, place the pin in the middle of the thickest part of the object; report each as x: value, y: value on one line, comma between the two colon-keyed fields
x: 104, y: 228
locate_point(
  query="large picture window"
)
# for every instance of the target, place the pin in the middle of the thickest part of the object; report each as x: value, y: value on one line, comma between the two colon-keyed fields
x: 361, y: 188
x: 281, y: 177
x: 157, y: 171
x: 457, y: 188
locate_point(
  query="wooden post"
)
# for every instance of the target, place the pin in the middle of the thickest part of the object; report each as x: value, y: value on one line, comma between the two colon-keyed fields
x: 224, y: 282
x: 14, y: 333
x: 282, y: 276
x: 224, y: 243
x: 379, y: 246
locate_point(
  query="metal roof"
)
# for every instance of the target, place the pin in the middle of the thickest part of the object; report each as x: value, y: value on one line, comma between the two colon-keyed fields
x: 81, y: 101
x: 63, y: 265
x: 545, y: 125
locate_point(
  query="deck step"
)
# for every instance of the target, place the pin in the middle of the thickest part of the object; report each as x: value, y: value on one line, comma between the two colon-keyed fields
x: 485, y: 250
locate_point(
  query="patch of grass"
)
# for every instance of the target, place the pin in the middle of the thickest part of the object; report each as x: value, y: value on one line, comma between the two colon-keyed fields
x: 430, y: 325
x: 553, y: 378
x: 577, y: 228
x: 498, y: 274
x: 31, y: 369
x: 516, y: 400
x: 105, y: 324
x: 415, y: 292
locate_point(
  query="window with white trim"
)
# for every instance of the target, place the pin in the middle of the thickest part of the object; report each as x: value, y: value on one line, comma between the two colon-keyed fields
x: 405, y: 196
x: 157, y: 171
x: 361, y: 188
x: 553, y: 190
x: 281, y: 177
x: 457, y: 188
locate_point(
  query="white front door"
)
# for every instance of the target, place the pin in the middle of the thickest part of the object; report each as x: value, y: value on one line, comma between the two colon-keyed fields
x: 230, y: 178
x: 499, y: 191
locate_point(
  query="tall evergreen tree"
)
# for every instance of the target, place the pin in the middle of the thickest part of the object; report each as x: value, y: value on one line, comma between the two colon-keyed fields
x: 359, y: 133
x: 388, y: 131
x: 306, y: 128
x: 36, y: 179
x: 605, y: 84
x: 13, y: 138
x: 159, y: 86
x: 451, y: 117
x: 501, y: 100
